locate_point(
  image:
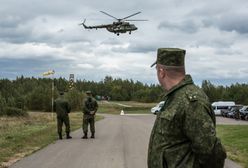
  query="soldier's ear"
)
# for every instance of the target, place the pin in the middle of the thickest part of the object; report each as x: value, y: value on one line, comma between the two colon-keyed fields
x: 161, y: 72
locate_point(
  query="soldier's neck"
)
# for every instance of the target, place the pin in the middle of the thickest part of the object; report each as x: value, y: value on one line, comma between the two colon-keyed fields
x: 170, y: 83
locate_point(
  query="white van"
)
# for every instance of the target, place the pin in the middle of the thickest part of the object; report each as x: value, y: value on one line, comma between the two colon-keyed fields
x: 157, y: 108
x: 221, y: 105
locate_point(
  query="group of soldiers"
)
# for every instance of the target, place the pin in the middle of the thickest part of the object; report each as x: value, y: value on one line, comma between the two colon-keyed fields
x: 184, y: 134
x: 62, y: 108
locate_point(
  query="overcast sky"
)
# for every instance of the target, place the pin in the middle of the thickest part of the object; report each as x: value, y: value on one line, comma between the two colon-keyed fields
x: 39, y: 35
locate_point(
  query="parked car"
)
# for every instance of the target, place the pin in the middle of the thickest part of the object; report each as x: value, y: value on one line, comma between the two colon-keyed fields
x: 225, y: 111
x: 244, y: 113
x: 233, y: 112
x: 157, y: 108
x: 244, y: 108
x: 220, y: 105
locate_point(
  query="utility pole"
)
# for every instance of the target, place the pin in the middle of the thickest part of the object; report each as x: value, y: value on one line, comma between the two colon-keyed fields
x: 48, y: 73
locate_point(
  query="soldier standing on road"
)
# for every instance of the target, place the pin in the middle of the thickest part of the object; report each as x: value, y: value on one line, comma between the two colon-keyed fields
x: 90, y: 107
x: 62, y: 108
x: 183, y: 134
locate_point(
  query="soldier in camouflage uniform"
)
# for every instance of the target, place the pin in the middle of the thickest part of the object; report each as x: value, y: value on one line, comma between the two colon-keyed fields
x: 183, y: 134
x: 62, y: 108
x: 90, y: 107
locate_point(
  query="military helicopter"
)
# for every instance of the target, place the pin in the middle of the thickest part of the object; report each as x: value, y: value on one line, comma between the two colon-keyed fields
x: 120, y: 26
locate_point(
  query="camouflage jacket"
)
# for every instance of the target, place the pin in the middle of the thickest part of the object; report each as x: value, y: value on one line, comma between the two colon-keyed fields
x: 89, y: 105
x: 183, y: 134
x: 62, y: 107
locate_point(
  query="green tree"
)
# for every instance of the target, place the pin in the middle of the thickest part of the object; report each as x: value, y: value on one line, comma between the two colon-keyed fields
x: 2, y: 104
x: 75, y: 99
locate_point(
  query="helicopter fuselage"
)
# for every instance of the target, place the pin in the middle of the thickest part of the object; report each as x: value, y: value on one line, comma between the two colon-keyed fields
x: 121, y: 27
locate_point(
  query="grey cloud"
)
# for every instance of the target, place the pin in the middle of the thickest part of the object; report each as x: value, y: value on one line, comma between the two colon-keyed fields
x: 111, y: 41
x: 206, y: 27
x: 207, y: 22
x: 20, y: 21
x: 136, y: 48
x: 227, y: 51
x: 230, y: 22
x: 30, y: 66
x: 226, y: 16
x: 10, y: 21
x: 12, y: 29
x: 234, y: 23
x: 215, y: 43
x: 187, y: 26
x: 31, y: 32
x: 14, y: 35
x: 218, y: 81
x: 29, y: 9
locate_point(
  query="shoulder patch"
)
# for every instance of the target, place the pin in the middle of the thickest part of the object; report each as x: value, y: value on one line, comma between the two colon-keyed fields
x: 192, y: 96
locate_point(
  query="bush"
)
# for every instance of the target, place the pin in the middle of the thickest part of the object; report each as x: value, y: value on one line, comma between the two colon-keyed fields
x: 14, y: 112
x: 75, y: 99
x: 2, y: 104
x: 1, y: 112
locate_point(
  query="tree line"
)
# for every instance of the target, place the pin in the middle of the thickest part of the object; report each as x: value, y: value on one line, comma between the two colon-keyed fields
x: 235, y: 92
x: 34, y: 94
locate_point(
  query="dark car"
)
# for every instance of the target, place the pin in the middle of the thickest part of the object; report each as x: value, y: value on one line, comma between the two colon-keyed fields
x: 225, y: 111
x: 234, y: 112
x: 244, y: 113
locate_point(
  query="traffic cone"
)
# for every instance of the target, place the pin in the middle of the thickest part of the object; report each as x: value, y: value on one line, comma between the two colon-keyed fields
x: 122, y: 112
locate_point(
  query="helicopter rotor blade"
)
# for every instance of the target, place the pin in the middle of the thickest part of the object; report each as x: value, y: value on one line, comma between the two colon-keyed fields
x: 109, y: 15
x: 130, y: 15
x: 136, y: 20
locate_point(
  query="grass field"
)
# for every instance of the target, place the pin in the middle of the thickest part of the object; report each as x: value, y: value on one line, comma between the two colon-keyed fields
x: 129, y: 107
x: 235, y: 140
x: 22, y: 136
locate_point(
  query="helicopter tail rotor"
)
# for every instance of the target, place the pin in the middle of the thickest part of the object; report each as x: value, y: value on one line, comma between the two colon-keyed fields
x: 83, y: 24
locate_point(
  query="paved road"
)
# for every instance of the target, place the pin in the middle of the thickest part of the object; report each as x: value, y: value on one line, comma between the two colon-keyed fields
x: 121, y: 142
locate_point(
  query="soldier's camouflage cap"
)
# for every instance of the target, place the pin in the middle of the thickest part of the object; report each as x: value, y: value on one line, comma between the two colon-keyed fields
x: 170, y: 57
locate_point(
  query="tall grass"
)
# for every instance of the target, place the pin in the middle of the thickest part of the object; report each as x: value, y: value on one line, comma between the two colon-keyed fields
x: 129, y: 107
x: 20, y: 136
x: 235, y: 140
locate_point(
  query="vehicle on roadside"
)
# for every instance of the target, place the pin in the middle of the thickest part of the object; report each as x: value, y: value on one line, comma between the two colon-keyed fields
x: 244, y: 108
x: 221, y: 105
x: 157, y: 108
x: 233, y: 112
x: 244, y: 113
x: 225, y: 111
